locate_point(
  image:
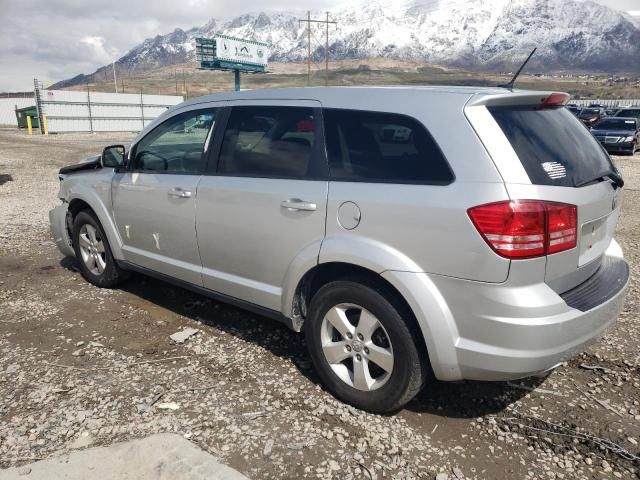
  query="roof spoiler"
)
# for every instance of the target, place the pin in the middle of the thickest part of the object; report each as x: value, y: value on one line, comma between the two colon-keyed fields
x: 523, y: 98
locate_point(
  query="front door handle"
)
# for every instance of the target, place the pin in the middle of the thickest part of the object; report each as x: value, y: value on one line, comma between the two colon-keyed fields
x: 177, y: 192
x: 295, y: 204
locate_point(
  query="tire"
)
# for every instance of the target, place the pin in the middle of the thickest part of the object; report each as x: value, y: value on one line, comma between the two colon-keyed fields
x: 95, y: 259
x: 388, y: 387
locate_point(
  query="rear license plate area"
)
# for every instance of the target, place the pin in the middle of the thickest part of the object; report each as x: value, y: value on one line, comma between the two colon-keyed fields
x: 593, y: 240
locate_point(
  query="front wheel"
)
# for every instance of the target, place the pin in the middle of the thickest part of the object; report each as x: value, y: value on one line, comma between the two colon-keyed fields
x: 365, y: 352
x: 93, y: 253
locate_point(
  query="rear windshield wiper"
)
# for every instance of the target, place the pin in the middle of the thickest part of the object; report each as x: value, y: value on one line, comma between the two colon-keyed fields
x: 615, y: 177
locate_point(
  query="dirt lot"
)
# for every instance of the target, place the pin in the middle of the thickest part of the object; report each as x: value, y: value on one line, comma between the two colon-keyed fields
x: 82, y: 366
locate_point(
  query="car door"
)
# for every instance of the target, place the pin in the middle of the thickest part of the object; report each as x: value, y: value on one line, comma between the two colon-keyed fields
x: 154, y: 202
x: 262, y: 205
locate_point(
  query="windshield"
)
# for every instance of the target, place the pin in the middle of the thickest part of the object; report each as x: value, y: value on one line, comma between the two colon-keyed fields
x: 617, y: 124
x: 590, y: 111
x: 553, y: 146
x: 629, y: 112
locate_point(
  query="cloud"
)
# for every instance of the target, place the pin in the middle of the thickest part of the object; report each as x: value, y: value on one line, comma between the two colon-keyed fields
x: 56, y: 39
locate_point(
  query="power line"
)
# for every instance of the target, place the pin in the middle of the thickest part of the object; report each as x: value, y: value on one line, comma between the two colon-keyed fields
x: 326, y: 22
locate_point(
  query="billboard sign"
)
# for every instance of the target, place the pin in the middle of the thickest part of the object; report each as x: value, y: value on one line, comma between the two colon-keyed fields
x: 229, y: 53
x: 236, y: 50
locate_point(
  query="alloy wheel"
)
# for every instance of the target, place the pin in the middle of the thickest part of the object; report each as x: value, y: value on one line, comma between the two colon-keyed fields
x: 92, y: 249
x: 357, y: 347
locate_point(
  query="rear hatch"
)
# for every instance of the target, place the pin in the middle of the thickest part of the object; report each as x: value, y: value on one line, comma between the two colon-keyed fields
x: 564, y: 163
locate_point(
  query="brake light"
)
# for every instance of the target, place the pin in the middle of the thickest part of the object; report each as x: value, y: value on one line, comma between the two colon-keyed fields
x: 554, y: 100
x: 562, y: 231
x: 526, y: 228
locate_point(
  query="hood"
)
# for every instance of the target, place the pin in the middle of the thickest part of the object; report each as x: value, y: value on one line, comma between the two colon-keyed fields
x: 90, y: 163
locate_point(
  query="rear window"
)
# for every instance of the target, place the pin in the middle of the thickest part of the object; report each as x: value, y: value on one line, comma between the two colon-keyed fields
x: 382, y: 147
x: 553, y: 146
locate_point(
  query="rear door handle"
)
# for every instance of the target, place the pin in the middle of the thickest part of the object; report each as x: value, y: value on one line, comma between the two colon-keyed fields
x: 295, y: 204
x: 177, y: 192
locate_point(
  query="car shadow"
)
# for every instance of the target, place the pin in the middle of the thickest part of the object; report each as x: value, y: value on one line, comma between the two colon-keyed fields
x: 4, y: 178
x: 470, y: 399
x: 466, y: 399
x: 248, y: 326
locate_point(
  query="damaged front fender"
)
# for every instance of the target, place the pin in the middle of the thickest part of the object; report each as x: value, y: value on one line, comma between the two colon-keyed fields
x: 59, y: 229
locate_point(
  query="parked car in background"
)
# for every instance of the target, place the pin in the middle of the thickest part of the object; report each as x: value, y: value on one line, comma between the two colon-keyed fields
x: 618, y: 134
x: 573, y: 108
x: 591, y: 116
x: 455, y: 232
x: 629, y: 112
x: 597, y: 105
x: 611, y: 111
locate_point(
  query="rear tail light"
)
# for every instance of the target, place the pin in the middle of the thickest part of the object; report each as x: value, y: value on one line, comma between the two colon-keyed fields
x: 526, y: 228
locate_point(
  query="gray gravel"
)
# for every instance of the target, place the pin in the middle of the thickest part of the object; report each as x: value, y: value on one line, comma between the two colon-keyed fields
x: 82, y: 367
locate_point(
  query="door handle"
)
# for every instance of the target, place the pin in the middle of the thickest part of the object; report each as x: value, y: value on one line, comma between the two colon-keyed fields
x: 295, y: 204
x: 177, y: 192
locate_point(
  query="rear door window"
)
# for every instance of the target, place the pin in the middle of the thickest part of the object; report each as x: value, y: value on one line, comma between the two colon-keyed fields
x: 265, y: 141
x: 553, y: 146
x: 382, y: 147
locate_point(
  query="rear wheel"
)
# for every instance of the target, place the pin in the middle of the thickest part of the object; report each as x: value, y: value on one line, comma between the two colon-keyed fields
x: 364, y: 351
x: 93, y: 253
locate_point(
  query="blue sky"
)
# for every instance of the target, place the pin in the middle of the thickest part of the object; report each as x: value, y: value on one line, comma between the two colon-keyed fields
x: 57, y: 39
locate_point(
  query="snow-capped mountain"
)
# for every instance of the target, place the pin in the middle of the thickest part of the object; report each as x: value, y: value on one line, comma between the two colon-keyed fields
x: 495, y: 34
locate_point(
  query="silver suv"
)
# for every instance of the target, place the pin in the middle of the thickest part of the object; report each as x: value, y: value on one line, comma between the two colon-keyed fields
x: 455, y: 233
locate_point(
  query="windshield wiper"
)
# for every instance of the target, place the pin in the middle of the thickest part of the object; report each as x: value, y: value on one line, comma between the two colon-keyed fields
x: 615, y: 177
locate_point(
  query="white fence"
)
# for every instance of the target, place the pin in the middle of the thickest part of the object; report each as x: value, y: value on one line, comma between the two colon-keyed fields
x: 76, y: 111
x: 8, y: 109
x: 607, y: 102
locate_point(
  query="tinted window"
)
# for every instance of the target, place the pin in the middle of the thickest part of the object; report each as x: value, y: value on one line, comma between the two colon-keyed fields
x: 629, y: 112
x: 383, y: 147
x: 269, y: 142
x: 175, y: 146
x: 553, y: 146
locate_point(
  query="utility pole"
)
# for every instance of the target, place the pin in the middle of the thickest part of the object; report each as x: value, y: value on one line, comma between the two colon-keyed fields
x: 175, y: 74
x: 308, y: 21
x: 326, y: 54
x: 115, y: 81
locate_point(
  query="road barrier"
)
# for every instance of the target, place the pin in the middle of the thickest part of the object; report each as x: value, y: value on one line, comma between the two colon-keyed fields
x: 607, y: 102
x: 78, y: 111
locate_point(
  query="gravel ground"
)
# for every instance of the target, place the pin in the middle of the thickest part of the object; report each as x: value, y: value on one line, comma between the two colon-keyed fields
x: 81, y: 366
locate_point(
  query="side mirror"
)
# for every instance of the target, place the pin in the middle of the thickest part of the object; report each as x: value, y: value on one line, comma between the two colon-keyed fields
x: 113, y: 156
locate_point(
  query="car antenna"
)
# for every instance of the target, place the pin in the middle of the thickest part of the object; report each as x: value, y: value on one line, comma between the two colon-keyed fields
x: 513, y: 80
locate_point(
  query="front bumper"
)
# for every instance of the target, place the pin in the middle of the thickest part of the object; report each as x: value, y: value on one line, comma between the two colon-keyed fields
x: 59, y: 230
x: 618, y: 147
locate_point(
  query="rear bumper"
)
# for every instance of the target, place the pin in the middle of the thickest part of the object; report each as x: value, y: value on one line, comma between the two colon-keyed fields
x: 58, y: 226
x: 509, y: 331
x: 545, y: 328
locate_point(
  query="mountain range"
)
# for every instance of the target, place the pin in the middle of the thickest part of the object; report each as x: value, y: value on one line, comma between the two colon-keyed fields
x: 483, y: 35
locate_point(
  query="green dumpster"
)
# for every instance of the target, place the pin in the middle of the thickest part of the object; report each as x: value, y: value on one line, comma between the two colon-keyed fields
x: 23, y: 113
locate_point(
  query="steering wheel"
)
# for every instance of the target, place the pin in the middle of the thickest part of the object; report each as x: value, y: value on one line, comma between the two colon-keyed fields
x: 165, y: 162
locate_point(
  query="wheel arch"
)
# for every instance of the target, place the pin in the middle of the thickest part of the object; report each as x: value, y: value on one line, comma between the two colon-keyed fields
x: 82, y: 200
x: 324, y: 273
